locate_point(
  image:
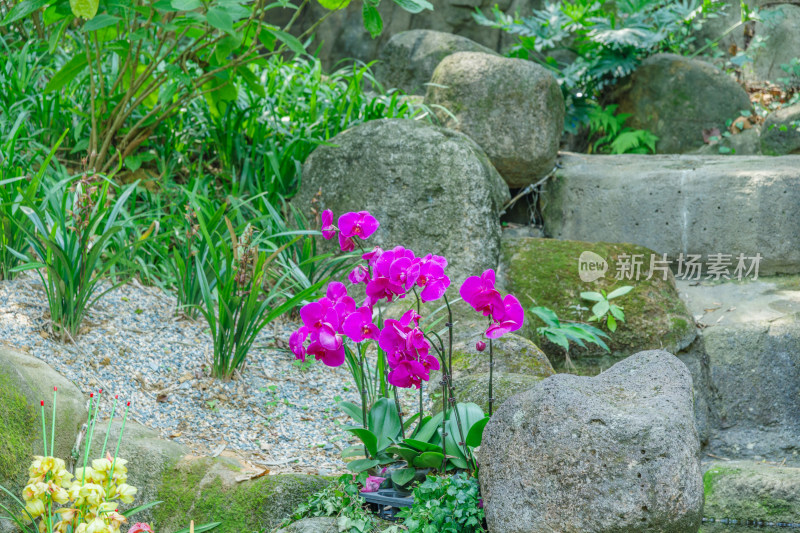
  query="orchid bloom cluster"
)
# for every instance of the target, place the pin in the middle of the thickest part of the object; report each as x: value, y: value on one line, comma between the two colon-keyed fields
x: 91, y: 494
x: 387, y: 274
x: 505, y: 314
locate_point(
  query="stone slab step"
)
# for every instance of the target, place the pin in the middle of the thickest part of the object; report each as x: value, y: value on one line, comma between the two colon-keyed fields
x: 673, y: 204
x: 745, y: 365
x: 752, y: 491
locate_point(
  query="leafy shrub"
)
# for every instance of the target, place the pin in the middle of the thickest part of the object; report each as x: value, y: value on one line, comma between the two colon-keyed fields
x: 342, y: 500
x: 564, y: 333
x: 608, y: 40
x: 245, y: 299
x: 70, y: 240
x: 610, y: 137
x: 445, y: 504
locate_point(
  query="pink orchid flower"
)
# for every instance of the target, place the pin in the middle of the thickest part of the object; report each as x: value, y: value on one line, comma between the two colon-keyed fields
x: 373, y: 483
x: 358, y: 275
x: 408, y: 374
x: 479, y: 292
x: 358, y: 325
x: 352, y: 225
x: 513, y: 316
x: 328, y: 229
x: 431, y: 278
x: 140, y: 527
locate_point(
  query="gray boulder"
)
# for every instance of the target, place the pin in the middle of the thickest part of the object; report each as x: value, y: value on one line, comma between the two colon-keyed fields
x: 320, y: 524
x: 433, y: 190
x: 676, y: 98
x: 408, y: 59
x: 616, y: 452
x: 748, y: 491
x: 779, y: 43
x: 512, y: 108
x: 781, y: 131
x: 689, y: 205
x: 24, y: 382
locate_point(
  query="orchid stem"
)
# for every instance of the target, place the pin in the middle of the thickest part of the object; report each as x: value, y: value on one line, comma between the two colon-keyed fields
x: 53, y: 425
x: 119, y: 440
x: 491, y: 375
x: 44, y: 431
x: 108, y: 429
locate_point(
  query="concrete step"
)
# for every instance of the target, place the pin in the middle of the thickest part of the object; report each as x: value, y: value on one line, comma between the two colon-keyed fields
x: 746, y: 366
x: 679, y: 204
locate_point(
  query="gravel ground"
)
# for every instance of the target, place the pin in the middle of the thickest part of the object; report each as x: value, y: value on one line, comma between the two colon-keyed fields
x: 276, y: 413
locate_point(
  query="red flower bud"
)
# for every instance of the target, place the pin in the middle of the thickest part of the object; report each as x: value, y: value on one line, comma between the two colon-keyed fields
x: 480, y: 346
x: 41, y: 403
x: 116, y: 396
x: 55, y: 388
x: 91, y: 395
x: 129, y: 404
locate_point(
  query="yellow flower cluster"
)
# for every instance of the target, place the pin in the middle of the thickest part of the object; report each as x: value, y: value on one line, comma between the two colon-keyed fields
x: 91, y: 493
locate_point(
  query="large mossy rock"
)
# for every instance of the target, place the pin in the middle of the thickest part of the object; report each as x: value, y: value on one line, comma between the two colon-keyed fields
x: 433, y: 190
x: 408, y: 59
x: 544, y: 272
x: 781, y: 131
x: 24, y: 382
x: 613, y: 453
x: 676, y: 98
x: 149, y: 458
x: 748, y: 491
x: 206, y: 490
x: 512, y: 108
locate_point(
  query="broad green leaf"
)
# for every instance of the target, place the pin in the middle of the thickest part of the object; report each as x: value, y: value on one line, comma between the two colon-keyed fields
x: 414, y: 6
x: 402, y: 476
x: 372, y: 19
x: 22, y: 10
x: 291, y: 41
x: 600, y: 308
x: 428, y: 428
x: 593, y: 296
x: 616, y: 311
x: 84, y: 8
x: 547, y: 315
x: 369, y: 439
x: 99, y: 22
x: 353, y: 451
x: 429, y: 460
x: 616, y: 293
x: 352, y: 410
x: 612, y: 324
x: 360, y: 465
x: 475, y: 435
x: 225, y: 47
x: 407, y: 454
x: 421, y: 446
x: 68, y: 72
x: 384, y: 421
x: 186, y: 5
x: 334, y: 5
x: 220, y: 19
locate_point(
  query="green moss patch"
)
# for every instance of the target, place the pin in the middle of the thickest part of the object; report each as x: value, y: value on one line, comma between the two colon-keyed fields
x: 744, y: 490
x: 17, y: 426
x: 205, y: 490
x: 544, y: 272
